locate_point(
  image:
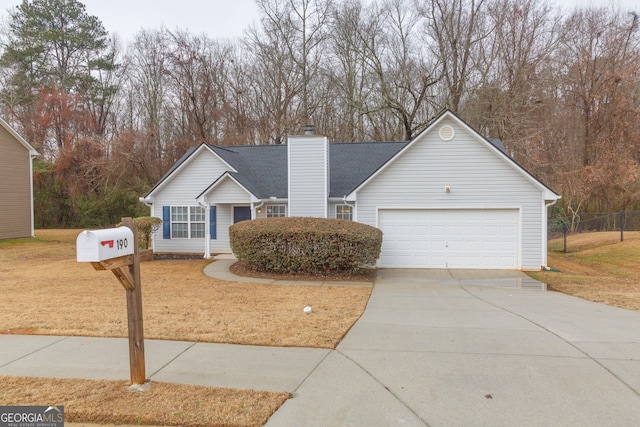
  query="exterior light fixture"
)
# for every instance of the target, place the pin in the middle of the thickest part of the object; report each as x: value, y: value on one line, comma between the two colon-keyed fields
x: 447, y: 189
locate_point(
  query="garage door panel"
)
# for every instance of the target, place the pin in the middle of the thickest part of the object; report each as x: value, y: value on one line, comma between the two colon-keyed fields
x: 508, y: 230
x: 456, y: 230
x: 472, y: 230
x: 473, y: 246
x: 422, y: 245
x: 404, y: 230
x: 449, y: 238
x: 438, y: 230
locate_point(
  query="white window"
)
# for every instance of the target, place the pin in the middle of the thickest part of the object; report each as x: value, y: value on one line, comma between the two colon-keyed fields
x: 187, y: 222
x: 344, y: 212
x: 274, y: 211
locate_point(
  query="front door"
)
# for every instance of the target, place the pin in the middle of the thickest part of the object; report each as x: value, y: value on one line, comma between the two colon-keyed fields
x: 241, y: 213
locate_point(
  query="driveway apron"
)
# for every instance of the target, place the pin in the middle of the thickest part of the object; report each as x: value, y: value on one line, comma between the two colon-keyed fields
x: 446, y: 348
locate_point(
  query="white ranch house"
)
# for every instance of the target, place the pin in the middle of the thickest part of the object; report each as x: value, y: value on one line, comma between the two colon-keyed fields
x: 447, y: 199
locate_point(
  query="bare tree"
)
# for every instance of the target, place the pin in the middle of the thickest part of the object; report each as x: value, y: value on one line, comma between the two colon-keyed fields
x: 148, y: 83
x: 410, y: 72
x: 196, y: 66
x: 300, y: 26
x: 513, y: 99
x: 352, y: 27
x: 274, y: 86
x: 458, y: 29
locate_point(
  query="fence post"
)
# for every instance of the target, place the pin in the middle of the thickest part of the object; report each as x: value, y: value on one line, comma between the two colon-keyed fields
x: 622, y: 220
x: 564, y: 233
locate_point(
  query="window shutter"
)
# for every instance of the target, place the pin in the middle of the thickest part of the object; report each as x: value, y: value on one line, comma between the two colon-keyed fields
x: 166, y: 222
x: 212, y: 221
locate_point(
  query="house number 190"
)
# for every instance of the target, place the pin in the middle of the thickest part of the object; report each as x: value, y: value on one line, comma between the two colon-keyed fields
x: 122, y: 243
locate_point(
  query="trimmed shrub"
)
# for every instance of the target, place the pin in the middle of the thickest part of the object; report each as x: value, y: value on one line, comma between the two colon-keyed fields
x: 146, y: 225
x: 305, y: 245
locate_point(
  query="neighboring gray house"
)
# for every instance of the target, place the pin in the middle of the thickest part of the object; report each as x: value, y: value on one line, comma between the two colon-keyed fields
x: 16, y: 184
x: 447, y: 199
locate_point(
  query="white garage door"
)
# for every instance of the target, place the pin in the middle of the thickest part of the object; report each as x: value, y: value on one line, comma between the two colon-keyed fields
x: 449, y: 238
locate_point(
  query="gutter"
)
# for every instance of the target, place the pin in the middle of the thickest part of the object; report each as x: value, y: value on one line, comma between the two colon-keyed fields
x: 146, y: 201
x: 254, y: 207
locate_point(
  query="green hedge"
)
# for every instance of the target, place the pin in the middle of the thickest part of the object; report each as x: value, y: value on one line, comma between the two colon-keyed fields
x: 305, y: 245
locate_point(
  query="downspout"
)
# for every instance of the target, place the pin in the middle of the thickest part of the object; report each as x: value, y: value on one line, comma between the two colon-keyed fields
x: 254, y: 207
x: 546, y: 234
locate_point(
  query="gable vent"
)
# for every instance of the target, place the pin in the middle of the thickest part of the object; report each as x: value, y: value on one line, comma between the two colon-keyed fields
x: 446, y: 133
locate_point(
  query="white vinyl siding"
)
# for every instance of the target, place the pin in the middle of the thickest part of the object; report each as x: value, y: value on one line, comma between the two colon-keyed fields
x: 477, y: 176
x: 228, y: 191
x: 181, y: 190
x: 308, y: 176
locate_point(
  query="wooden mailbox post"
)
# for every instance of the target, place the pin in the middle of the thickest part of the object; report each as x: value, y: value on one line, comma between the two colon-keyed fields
x: 116, y: 249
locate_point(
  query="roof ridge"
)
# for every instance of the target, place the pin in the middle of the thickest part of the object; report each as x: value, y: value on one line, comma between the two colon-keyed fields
x: 227, y: 147
x: 221, y: 148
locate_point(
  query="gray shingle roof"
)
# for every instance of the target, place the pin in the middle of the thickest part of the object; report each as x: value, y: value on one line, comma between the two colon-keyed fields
x: 262, y: 169
x: 352, y: 163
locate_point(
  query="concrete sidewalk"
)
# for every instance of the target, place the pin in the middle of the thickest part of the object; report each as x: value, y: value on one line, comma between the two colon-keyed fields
x: 223, y: 365
x: 433, y: 348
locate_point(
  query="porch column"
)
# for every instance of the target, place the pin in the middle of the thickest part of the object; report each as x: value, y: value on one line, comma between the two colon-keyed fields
x: 207, y: 231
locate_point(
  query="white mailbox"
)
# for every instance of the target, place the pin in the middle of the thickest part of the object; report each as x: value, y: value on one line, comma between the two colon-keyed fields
x: 100, y: 245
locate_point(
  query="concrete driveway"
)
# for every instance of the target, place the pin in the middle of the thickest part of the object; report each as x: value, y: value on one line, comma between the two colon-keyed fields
x: 441, y: 348
x: 433, y: 348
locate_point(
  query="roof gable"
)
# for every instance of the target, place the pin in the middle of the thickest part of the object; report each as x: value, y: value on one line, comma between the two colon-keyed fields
x: 21, y: 140
x: 182, y: 163
x: 227, y: 176
x: 496, y: 148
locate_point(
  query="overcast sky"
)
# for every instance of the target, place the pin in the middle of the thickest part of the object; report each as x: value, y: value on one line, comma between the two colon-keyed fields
x: 217, y: 18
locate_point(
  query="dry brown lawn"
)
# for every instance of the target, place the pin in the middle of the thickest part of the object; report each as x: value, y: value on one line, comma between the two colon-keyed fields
x: 597, y: 267
x: 165, y: 404
x: 45, y: 291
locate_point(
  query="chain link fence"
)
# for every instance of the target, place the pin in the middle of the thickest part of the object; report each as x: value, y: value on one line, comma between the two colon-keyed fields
x: 586, y: 223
